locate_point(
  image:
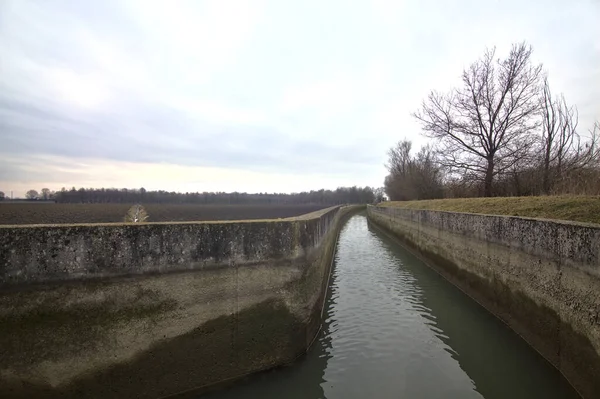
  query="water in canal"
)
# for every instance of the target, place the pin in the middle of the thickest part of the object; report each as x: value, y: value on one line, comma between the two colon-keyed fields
x: 394, y: 328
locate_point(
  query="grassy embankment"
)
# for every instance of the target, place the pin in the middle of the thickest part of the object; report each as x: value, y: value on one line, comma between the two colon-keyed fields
x: 575, y: 208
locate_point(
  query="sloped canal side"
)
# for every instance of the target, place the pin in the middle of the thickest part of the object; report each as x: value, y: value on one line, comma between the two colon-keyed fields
x: 394, y: 328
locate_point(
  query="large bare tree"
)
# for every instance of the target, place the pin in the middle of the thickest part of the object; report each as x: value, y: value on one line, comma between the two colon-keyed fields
x: 484, y: 126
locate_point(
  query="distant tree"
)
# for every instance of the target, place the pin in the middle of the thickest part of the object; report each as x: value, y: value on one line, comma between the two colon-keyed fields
x: 136, y: 214
x: 412, y: 177
x: 341, y: 195
x: 32, y: 194
x: 2, y: 196
x: 45, y: 194
x: 379, y: 195
x: 484, y: 127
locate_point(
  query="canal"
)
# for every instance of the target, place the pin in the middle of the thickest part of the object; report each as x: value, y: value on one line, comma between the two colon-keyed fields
x: 394, y: 328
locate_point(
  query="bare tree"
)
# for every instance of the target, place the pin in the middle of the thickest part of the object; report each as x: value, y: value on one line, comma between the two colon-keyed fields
x: 2, y: 195
x: 31, y: 194
x: 583, y: 153
x: 484, y: 126
x: 412, y: 177
x: 379, y: 195
x: 563, y: 149
x: 559, y: 124
x: 45, y: 193
x: 582, y: 167
x: 428, y: 174
x: 136, y: 214
x: 399, y: 158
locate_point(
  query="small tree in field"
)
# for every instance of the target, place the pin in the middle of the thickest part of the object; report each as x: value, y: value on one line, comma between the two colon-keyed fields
x: 487, y: 124
x: 136, y: 214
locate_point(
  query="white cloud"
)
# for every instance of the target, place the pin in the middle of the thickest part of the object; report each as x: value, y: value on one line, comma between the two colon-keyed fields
x: 255, y: 85
x: 342, y: 91
x: 78, y: 90
x: 218, y: 113
x: 330, y: 96
x: 190, y: 40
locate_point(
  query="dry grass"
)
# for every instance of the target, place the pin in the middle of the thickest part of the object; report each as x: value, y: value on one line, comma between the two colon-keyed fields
x: 575, y: 208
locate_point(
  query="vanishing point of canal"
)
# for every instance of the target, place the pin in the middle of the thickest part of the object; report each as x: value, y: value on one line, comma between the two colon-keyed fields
x: 394, y: 328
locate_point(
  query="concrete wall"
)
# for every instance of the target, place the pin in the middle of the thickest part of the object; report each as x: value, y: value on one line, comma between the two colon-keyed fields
x: 151, y: 310
x: 541, y: 277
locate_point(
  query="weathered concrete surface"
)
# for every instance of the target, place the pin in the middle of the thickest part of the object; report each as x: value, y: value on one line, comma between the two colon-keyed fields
x: 152, y: 310
x: 541, y: 277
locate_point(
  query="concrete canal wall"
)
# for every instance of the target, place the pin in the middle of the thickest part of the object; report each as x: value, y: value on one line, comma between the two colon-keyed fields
x: 151, y: 310
x: 541, y: 277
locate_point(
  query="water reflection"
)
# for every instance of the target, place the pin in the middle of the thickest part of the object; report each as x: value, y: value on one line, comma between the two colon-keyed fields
x: 394, y: 328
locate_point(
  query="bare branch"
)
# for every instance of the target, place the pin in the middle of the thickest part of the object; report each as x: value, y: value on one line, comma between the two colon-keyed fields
x: 484, y: 125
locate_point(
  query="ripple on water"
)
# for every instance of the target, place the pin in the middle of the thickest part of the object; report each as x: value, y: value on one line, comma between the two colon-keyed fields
x: 389, y: 339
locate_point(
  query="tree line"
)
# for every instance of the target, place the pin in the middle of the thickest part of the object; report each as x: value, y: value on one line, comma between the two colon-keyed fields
x: 341, y: 195
x: 501, y: 132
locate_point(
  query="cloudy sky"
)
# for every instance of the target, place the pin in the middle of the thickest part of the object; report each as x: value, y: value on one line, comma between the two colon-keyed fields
x: 252, y: 95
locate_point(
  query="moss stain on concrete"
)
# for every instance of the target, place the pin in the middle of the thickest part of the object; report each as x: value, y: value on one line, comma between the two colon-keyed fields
x: 265, y: 334
x: 50, y: 331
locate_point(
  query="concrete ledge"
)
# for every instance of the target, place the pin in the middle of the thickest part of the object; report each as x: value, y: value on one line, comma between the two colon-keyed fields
x: 541, y: 277
x: 158, y: 309
x: 40, y: 253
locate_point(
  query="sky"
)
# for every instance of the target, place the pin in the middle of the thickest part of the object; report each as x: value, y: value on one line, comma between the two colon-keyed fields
x: 254, y: 96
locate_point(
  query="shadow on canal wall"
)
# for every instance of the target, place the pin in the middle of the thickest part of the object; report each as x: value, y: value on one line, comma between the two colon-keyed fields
x: 156, y: 309
x: 541, y: 277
